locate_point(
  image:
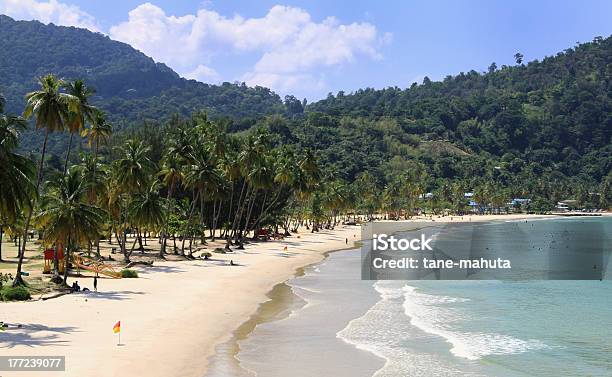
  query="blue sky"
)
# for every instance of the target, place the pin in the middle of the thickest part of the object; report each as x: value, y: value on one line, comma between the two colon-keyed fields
x: 310, y: 48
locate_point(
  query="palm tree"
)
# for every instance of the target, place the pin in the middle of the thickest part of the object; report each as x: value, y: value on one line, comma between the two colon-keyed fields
x: 94, y: 174
x: 16, y: 173
x: 172, y: 175
x: 66, y: 216
x: 83, y: 112
x: 131, y: 173
x: 134, y: 167
x: 145, y: 212
x: 202, y: 176
x: 99, y: 132
x: 51, y: 110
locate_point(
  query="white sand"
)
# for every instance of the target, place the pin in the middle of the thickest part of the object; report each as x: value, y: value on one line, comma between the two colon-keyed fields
x: 172, y: 317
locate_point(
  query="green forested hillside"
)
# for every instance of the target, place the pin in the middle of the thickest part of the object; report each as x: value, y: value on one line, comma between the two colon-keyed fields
x: 540, y: 129
x: 129, y: 85
x: 544, y: 125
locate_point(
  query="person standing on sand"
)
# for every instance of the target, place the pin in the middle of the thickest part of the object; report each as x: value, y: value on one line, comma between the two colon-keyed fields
x: 96, y: 283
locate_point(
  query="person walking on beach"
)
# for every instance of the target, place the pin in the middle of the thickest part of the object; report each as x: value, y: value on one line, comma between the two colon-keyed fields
x: 96, y: 283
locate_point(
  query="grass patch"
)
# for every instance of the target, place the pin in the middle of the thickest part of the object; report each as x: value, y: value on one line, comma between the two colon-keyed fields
x: 129, y: 274
x: 219, y: 250
x: 15, y: 294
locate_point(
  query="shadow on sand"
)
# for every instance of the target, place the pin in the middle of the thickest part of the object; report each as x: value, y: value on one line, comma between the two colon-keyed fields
x: 28, y: 335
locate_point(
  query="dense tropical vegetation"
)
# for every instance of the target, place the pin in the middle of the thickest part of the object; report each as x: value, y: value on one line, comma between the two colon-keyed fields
x: 201, y: 162
x: 189, y: 180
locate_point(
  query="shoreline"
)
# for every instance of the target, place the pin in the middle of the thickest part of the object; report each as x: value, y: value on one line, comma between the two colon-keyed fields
x: 277, y: 307
x: 173, y: 316
x: 182, y: 311
x: 278, y: 297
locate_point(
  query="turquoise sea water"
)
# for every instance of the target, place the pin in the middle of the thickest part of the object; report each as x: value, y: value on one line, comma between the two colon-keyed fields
x: 437, y: 328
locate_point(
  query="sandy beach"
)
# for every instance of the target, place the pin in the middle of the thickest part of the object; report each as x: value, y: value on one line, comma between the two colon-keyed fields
x: 173, y: 316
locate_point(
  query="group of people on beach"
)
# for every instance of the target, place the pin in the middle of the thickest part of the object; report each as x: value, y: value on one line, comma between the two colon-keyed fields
x: 77, y: 288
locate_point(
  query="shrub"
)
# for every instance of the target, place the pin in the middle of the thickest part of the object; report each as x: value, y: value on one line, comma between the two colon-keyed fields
x: 127, y: 273
x: 219, y: 250
x: 15, y: 294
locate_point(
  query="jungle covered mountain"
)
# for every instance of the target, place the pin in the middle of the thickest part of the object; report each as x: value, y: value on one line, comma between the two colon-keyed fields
x: 539, y: 129
x: 130, y: 86
x: 549, y: 116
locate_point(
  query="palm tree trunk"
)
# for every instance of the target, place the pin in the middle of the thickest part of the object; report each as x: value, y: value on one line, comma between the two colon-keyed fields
x: 166, y: 220
x: 126, y: 256
x: 216, y: 220
x: 212, y: 220
x: 56, y: 276
x: 133, y: 244
x: 66, y: 261
x: 68, y: 153
x: 236, y: 217
x: 94, y: 175
x: 18, y: 279
x: 258, y: 219
x: 245, y: 229
x: 229, y: 211
x: 246, y: 205
x: 1, y: 230
x: 139, y: 238
x: 203, y: 235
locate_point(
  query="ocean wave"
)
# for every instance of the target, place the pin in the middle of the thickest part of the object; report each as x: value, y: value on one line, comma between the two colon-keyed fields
x: 435, y: 315
x: 384, y: 332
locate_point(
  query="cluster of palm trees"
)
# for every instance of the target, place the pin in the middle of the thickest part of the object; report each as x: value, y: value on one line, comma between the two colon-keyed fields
x: 197, y: 183
x: 57, y: 106
x: 205, y: 180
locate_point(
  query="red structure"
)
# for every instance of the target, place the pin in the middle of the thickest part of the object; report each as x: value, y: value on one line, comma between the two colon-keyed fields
x: 49, y: 260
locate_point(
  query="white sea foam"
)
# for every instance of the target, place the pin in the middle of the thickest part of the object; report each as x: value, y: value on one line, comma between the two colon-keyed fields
x: 404, y: 316
x: 384, y: 331
x: 435, y: 315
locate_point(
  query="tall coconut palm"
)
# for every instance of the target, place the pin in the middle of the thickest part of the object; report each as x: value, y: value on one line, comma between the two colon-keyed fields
x: 67, y: 217
x: 134, y: 167
x: 16, y: 173
x: 202, y: 176
x: 145, y: 212
x: 172, y: 175
x: 98, y: 133
x: 83, y: 112
x: 94, y: 175
x: 253, y: 148
x: 51, y: 110
x: 131, y: 173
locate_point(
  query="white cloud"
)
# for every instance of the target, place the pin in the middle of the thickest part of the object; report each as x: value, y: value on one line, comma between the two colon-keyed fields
x: 285, y: 82
x: 291, y: 46
x: 291, y: 50
x: 48, y: 11
x: 204, y: 74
